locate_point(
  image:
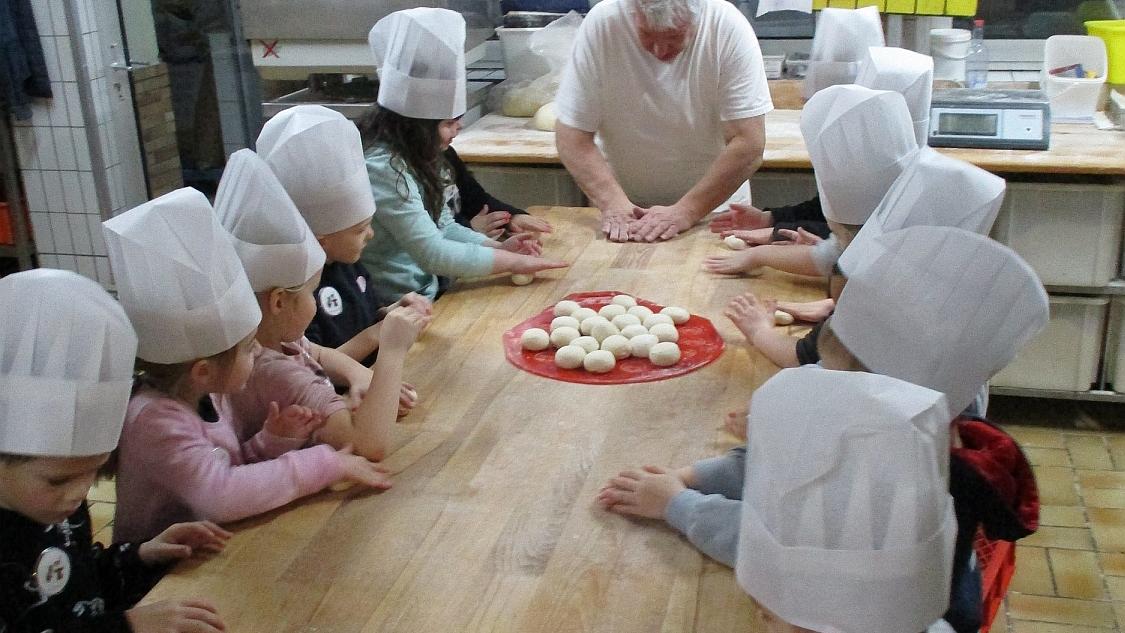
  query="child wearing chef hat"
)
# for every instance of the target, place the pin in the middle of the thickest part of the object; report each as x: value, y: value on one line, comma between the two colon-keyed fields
x: 180, y: 280
x: 67, y: 349
x: 283, y: 262
x: 940, y: 307
x: 421, y: 61
x: 847, y: 525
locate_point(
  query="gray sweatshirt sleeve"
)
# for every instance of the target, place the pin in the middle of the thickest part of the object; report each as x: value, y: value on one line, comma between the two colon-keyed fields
x: 710, y: 523
x: 722, y: 475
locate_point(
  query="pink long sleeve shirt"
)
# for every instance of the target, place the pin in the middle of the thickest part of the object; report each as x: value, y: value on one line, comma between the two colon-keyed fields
x: 173, y: 466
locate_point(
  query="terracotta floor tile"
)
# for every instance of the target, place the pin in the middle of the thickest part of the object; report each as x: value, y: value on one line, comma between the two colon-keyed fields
x: 1088, y: 452
x: 1062, y: 516
x: 1100, y: 479
x: 101, y: 514
x: 1115, y: 441
x: 1108, y: 526
x: 1060, y: 537
x: 1076, y: 573
x: 1023, y: 626
x: 1101, y: 498
x: 1118, y: 458
x: 1112, y: 564
x: 1056, y: 486
x: 1036, y: 436
x: 1116, y: 586
x: 1047, y: 456
x: 104, y: 490
x: 1000, y: 623
x: 1061, y: 610
x: 1033, y: 572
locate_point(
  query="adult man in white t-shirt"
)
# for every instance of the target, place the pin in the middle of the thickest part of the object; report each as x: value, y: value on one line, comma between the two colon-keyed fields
x: 676, y: 93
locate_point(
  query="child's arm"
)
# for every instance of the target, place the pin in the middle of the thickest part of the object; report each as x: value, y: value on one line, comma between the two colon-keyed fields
x: 798, y: 260
x: 368, y: 429
x: 755, y: 319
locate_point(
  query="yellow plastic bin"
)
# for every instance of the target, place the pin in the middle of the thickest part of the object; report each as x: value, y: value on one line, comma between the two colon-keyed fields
x: 1113, y: 33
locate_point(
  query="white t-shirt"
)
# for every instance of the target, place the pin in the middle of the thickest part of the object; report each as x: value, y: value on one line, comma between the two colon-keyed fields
x: 660, y: 124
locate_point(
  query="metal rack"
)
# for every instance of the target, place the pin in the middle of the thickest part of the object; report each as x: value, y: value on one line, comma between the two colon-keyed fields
x: 23, y: 250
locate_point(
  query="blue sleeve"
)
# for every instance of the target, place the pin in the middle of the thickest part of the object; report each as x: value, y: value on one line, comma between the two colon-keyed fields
x: 721, y: 475
x: 710, y: 523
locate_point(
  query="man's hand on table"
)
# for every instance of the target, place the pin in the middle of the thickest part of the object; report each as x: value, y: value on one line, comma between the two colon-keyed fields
x: 659, y: 223
x: 615, y: 223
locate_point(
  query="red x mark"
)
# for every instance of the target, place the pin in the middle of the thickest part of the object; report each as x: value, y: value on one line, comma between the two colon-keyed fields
x: 270, y: 49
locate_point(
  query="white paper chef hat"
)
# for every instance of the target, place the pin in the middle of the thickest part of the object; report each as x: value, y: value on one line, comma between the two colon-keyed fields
x: 941, y: 307
x: 271, y: 238
x: 858, y: 140
x: 317, y: 155
x: 847, y: 523
x: 179, y: 279
x: 907, y: 73
x: 420, y: 54
x: 933, y: 190
x: 839, y: 44
x: 66, y: 365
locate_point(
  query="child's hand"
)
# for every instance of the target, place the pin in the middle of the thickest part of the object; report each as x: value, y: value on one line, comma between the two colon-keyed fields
x: 401, y: 328
x: 527, y: 223
x: 415, y: 301
x: 490, y: 223
x: 295, y: 422
x: 809, y: 311
x: 800, y: 237
x: 643, y: 493
x: 523, y: 243
x: 361, y: 471
x: 753, y: 237
x: 175, y: 616
x: 527, y: 265
x: 751, y: 314
x: 735, y: 423
x: 407, y: 399
x: 182, y: 540
x: 741, y: 217
x: 731, y: 264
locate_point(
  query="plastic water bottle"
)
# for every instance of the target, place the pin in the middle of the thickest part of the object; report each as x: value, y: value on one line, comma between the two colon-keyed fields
x: 976, y: 63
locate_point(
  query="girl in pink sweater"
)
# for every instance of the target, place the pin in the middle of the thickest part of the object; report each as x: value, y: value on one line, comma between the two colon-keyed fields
x: 181, y: 283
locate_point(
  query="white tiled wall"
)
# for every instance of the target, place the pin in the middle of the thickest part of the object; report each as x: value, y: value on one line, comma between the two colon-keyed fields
x: 54, y: 147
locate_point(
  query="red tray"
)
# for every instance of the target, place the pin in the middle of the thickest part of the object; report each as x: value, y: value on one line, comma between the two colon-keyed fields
x: 699, y: 344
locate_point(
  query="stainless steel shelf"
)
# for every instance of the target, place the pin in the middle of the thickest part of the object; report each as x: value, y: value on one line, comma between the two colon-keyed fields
x: 1059, y: 394
x: 1115, y: 287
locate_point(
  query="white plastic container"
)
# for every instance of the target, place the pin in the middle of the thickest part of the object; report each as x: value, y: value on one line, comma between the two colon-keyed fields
x: 1069, y: 233
x: 949, y: 48
x: 1065, y: 355
x: 1115, y: 359
x: 1073, y: 97
x: 520, y: 64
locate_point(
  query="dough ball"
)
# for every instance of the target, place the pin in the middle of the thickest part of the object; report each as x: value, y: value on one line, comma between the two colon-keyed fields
x: 521, y: 102
x: 563, y: 336
x: 617, y: 345
x: 601, y: 331
x: 535, y: 339
x: 566, y: 307
x: 633, y: 331
x: 623, y: 321
x: 664, y: 354
x: 624, y: 301
x: 782, y: 318
x: 545, y: 117
x: 599, y: 362
x: 734, y: 243
x: 522, y: 280
x: 583, y: 313
x: 564, y: 321
x: 641, y: 345
x: 588, y: 324
x: 611, y: 310
x: 587, y: 343
x: 679, y: 316
x: 665, y: 332
x: 653, y: 319
x: 641, y: 312
x: 569, y: 356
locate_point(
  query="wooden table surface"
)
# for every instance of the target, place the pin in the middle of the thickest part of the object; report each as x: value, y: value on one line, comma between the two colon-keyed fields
x: 1075, y: 148
x: 491, y: 524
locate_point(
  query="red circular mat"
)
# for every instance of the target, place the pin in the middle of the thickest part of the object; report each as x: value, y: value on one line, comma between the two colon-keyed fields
x: 699, y: 344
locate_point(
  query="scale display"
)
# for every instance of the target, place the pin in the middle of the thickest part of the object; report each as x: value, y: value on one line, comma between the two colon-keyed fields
x: 962, y: 123
x: 990, y: 119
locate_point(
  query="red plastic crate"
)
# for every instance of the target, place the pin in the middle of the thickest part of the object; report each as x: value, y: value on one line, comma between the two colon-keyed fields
x: 997, y: 564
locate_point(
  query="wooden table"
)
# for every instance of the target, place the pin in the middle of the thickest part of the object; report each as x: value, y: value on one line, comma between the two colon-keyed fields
x: 491, y: 524
x: 1075, y: 148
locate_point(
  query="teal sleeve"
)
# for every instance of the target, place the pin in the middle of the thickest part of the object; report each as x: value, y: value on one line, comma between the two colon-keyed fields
x: 402, y: 215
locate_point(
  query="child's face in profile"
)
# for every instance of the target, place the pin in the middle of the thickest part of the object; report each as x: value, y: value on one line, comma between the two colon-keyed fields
x: 47, y: 490
x: 346, y: 246
x: 448, y: 130
x: 299, y: 308
x: 235, y: 377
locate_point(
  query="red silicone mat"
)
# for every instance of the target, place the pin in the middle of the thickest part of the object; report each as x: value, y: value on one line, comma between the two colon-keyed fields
x: 699, y: 344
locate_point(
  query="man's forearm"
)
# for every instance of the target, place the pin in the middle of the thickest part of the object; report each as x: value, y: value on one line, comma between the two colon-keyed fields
x: 733, y: 166
x: 589, y: 168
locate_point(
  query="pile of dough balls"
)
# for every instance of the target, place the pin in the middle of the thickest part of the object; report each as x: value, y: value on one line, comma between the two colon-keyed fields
x: 596, y: 340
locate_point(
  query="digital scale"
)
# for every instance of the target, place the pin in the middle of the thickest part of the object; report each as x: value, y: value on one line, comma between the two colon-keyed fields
x: 990, y: 119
